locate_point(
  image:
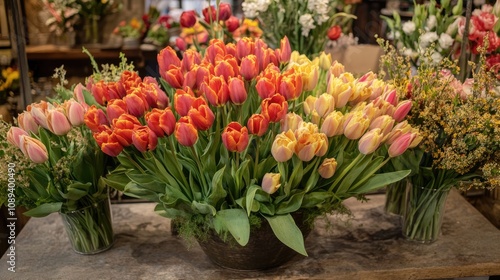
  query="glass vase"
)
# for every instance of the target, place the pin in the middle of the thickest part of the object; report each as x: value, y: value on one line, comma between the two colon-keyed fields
x: 424, y: 211
x: 89, y: 229
x: 395, y: 198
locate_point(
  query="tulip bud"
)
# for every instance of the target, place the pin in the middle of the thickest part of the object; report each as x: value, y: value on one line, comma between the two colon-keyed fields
x: 257, y: 124
x: 78, y: 95
x: 144, y: 139
x: 291, y: 121
x: 309, y: 104
x: 188, y: 19
x: 34, y: 149
x: 27, y: 122
x: 167, y: 121
x: 333, y: 124
x: 39, y: 113
x: 334, y: 32
x: 324, y: 104
x: 232, y: 23
x: 325, y: 61
x: 355, y: 125
x: 237, y: 91
x: 58, y: 122
x: 235, y: 137
x: 271, y: 182
x: 401, y: 144
x: 283, y: 146
x: 285, y: 50
x: 185, y: 132
x: 14, y: 134
x: 244, y: 47
x: 370, y: 141
x: 75, y: 112
x: 402, y: 110
x: 327, y: 168
x: 225, y: 11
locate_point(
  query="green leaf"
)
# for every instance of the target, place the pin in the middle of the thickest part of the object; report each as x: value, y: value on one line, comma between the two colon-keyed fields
x: 77, y: 190
x: 381, y: 180
x: 44, y: 209
x: 236, y: 222
x: 249, y: 198
x: 217, y: 190
x: 203, y: 208
x: 315, y: 198
x: 291, y: 205
x: 286, y: 231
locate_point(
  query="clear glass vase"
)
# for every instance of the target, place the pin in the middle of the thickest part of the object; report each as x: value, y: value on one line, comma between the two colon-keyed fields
x: 90, y: 229
x: 395, y: 198
x: 424, y: 211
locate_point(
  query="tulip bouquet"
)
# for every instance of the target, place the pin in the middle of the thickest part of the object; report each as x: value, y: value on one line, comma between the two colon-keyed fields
x: 55, y: 167
x: 460, y: 126
x: 246, y: 133
x: 307, y: 27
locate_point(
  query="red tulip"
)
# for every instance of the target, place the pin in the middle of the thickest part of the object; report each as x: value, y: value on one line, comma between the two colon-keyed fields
x: 136, y: 103
x: 216, y: 91
x: 124, y: 127
x: 185, y: 132
x: 232, y: 23
x: 144, y: 139
x: 201, y: 117
x: 167, y: 121
x: 155, y: 96
x: 257, y: 124
x: 209, y: 14
x: 237, y: 91
x: 334, y: 32
x: 225, y: 69
x: 167, y: 57
x: 225, y: 11
x: 173, y: 76
x: 249, y: 67
x: 94, y: 118
x: 235, y: 137
x: 183, y: 100
x: 188, y: 19
x: 245, y: 46
x: 153, y: 121
x: 117, y: 89
x: 116, y: 108
x: 180, y: 44
x: 274, y: 108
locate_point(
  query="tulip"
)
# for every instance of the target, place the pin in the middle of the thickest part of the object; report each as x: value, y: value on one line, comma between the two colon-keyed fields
x: 27, y: 122
x: 249, y: 67
x: 274, y: 108
x: 216, y: 49
x: 231, y: 51
x: 291, y: 121
x: 183, y: 100
x: 78, y: 95
x: 333, y: 124
x: 128, y: 81
x: 309, y: 73
x: 285, y: 51
x: 124, y: 127
x: 115, y: 90
x: 225, y: 11
x: 155, y: 96
x: 398, y: 130
x: 290, y: 86
x: 34, y: 149
x: 334, y: 32
x: 216, y: 91
x: 271, y: 182
x: 190, y: 58
x: 185, y: 132
x: 144, y: 139
x: 391, y: 97
x: 340, y: 91
x: 225, y: 69
x: 244, y: 47
x: 308, y: 104
x: 188, y: 19
x: 209, y: 14
x: 94, y: 118
x: 257, y: 124
x: 402, y: 110
x: 336, y: 69
x: 203, y: 74
x: 39, y: 112
x: 355, y: 125
x: 235, y: 137
x: 324, y: 104
x: 14, y: 134
x: 167, y: 121
x: 108, y: 142
x: 136, y: 103
x: 58, y: 122
x: 173, y: 76
x: 283, y: 146
x: 370, y: 141
x: 325, y: 61
x: 401, y: 144
x: 99, y: 91
x: 201, y: 117
x: 180, y: 44
x: 167, y: 57
x: 75, y: 112
x: 232, y: 23
x: 237, y: 91
x: 265, y: 87
x: 310, y: 145
x: 327, y: 168
x: 385, y: 123
x: 153, y: 121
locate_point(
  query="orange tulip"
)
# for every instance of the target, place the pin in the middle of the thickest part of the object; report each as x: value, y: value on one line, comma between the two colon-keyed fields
x: 201, y: 117
x: 185, y: 132
x: 225, y: 70
x: 237, y: 91
x: 235, y: 137
x: 128, y: 81
x: 290, y: 85
x: 173, y: 76
x: 274, y: 108
x: 94, y: 118
x: 136, y: 103
x: 116, y: 108
x: 216, y: 91
x: 327, y: 168
x: 257, y: 124
x: 244, y: 47
x: 144, y: 139
x: 249, y: 67
x: 123, y: 128
x: 183, y: 100
x: 190, y: 58
x: 310, y: 144
x: 108, y: 143
x: 155, y: 96
x: 285, y: 51
x: 167, y: 121
x: 167, y: 57
x: 153, y: 121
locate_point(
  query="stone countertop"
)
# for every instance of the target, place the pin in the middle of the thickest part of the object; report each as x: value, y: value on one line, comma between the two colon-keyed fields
x: 368, y: 245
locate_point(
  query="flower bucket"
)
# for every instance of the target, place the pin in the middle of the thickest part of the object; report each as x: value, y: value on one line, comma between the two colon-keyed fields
x: 90, y: 229
x: 424, y: 211
x: 263, y: 250
x: 130, y: 43
x: 395, y: 198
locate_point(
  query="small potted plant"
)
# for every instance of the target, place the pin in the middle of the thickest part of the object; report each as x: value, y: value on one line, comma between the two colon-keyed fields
x: 131, y: 33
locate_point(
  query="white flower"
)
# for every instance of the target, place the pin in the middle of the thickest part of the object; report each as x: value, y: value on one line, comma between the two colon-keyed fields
x: 409, y: 27
x: 445, y: 41
x: 427, y: 38
x: 453, y: 28
x: 436, y: 57
x: 252, y: 8
x: 431, y: 23
x: 307, y: 23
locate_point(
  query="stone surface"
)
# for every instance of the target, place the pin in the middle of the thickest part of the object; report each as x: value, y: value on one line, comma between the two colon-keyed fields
x: 367, y: 245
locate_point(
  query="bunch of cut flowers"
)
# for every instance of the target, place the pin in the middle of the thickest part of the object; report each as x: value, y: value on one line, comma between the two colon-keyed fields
x: 244, y: 133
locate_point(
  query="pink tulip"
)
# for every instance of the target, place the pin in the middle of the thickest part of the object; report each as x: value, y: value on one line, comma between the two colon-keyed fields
x: 402, y: 110
x: 237, y: 91
x: 370, y: 142
x: 401, y: 144
x: 75, y: 112
x: 385, y: 123
x: 78, y: 95
x: 14, y: 134
x: 34, y: 149
x: 27, y: 122
x: 391, y: 97
x: 39, y: 113
x: 58, y: 122
x: 271, y: 182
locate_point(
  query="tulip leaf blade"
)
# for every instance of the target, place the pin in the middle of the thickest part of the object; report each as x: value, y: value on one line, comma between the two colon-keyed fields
x: 249, y: 198
x: 217, y: 191
x: 44, y: 209
x: 380, y: 180
x: 291, y: 205
x: 236, y: 222
x: 287, y: 232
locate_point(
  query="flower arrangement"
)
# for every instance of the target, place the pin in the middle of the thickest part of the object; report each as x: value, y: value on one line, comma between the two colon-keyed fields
x: 245, y: 133
x: 56, y: 168
x: 133, y: 29
x: 93, y: 12
x: 306, y: 27
x: 430, y: 24
x: 64, y: 16
x: 460, y: 125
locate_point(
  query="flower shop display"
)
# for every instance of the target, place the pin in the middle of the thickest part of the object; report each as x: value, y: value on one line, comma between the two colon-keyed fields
x: 244, y: 136
x: 306, y: 28
x: 93, y: 12
x: 460, y: 126
x: 53, y: 167
x: 131, y: 33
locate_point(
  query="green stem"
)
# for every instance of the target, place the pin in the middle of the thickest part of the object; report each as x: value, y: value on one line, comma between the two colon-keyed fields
x: 203, y: 182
